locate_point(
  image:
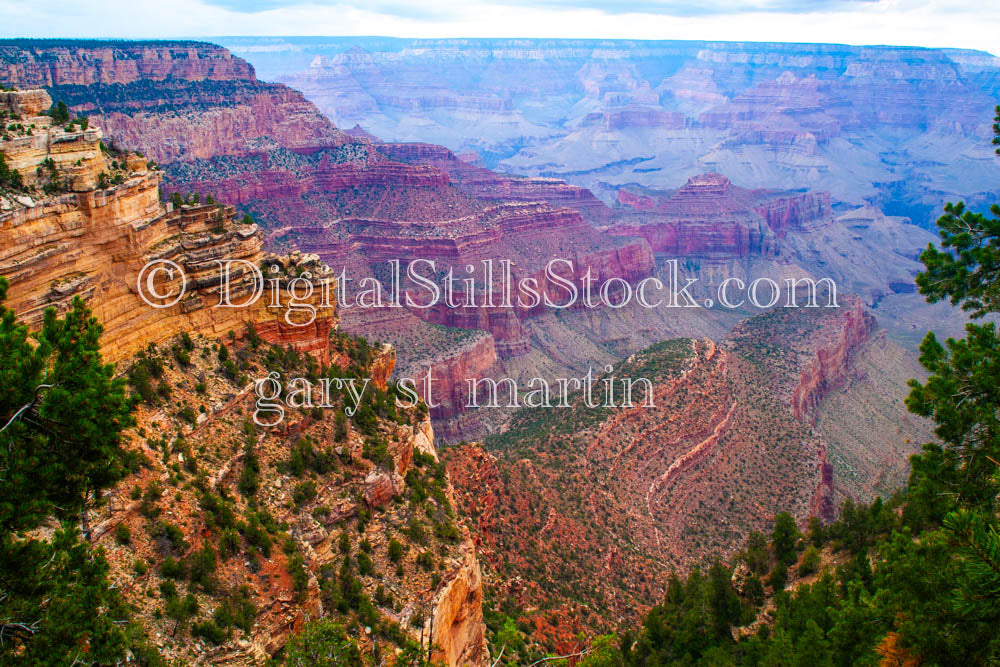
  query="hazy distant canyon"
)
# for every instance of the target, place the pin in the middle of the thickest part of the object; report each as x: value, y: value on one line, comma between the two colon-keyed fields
x: 903, y: 128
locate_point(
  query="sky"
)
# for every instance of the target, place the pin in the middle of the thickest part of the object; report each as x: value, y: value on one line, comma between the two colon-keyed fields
x: 939, y: 23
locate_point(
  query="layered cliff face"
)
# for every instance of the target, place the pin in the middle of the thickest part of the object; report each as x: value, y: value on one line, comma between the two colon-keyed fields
x: 97, y: 242
x: 719, y: 230
x: 170, y: 100
x: 859, y: 122
x: 710, y: 218
x: 48, y: 63
x: 457, y: 626
x: 618, y: 497
x: 492, y: 186
x: 529, y: 235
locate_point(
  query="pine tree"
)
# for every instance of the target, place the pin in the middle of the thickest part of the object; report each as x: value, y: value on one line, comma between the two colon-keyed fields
x: 784, y: 537
x: 61, y: 417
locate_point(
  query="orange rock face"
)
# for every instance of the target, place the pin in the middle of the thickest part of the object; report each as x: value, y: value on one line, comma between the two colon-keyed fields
x: 95, y: 244
x: 831, y: 364
x: 458, y: 628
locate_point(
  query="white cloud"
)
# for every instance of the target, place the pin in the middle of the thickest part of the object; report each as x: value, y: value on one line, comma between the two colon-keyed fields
x: 941, y: 23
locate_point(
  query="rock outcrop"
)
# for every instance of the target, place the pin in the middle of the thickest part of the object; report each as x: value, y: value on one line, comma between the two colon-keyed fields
x: 456, y: 626
x: 51, y: 63
x: 831, y: 364
x: 102, y: 224
x: 710, y: 218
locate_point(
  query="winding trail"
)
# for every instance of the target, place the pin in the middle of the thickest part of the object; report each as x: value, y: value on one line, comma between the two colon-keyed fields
x: 695, y: 454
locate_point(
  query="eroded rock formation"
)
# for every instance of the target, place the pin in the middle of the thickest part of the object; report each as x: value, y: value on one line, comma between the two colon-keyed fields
x: 619, y: 497
x: 710, y: 218
x: 95, y: 242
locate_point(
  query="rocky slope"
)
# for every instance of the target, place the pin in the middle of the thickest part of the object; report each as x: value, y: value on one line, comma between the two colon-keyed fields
x: 298, y: 518
x: 227, y: 536
x: 596, y: 507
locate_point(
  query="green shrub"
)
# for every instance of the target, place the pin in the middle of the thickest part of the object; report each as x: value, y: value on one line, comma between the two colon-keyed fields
x: 778, y: 577
x: 210, y: 631
x: 172, y: 568
x: 395, y: 550
x: 303, y: 492
x: 188, y: 414
x: 201, y: 568
x: 365, y: 564
x: 237, y: 610
x: 810, y: 562
x: 425, y: 560
x: 229, y: 543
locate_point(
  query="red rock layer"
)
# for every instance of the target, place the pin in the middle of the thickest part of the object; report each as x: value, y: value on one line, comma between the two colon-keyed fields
x: 529, y: 235
x: 47, y: 65
x: 711, y: 218
x: 489, y: 185
x: 797, y: 213
x: 830, y: 365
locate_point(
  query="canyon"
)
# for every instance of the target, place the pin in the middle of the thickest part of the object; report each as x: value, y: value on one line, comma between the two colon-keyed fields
x: 88, y: 233
x: 575, y: 517
x: 621, y: 497
x: 204, y: 118
x: 902, y: 128
x: 352, y: 201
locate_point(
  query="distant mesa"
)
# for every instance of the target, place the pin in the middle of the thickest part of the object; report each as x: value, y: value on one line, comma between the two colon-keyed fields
x: 710, y: 217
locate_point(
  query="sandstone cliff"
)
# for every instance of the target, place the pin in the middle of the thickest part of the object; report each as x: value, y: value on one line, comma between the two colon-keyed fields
x: 95, y: 241
x: 170, y: 100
